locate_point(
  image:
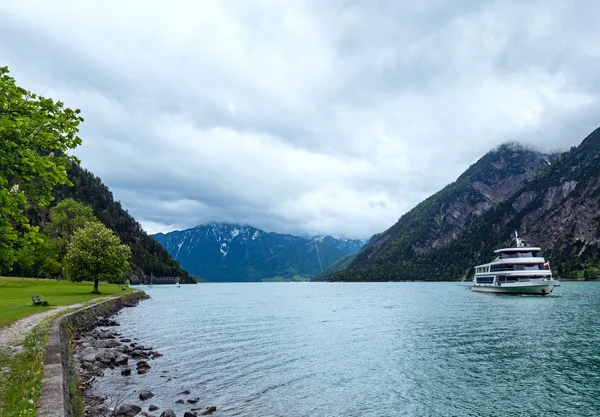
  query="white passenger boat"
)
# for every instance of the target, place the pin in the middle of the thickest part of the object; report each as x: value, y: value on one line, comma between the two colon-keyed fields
x: 517, y: 270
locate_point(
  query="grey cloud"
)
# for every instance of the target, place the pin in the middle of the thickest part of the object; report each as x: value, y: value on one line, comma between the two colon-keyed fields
x: 304, y: 117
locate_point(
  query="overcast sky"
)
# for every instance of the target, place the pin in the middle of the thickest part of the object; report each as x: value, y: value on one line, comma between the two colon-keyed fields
x: 325, y: 116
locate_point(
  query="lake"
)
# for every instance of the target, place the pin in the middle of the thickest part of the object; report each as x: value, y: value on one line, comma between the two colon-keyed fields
x: 368, y: 349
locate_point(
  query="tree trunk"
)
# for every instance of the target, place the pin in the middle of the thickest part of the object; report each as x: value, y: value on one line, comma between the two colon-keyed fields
x: 96, y: 287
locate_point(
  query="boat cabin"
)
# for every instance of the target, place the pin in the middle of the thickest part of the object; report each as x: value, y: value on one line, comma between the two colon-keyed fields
x: 512, y: 262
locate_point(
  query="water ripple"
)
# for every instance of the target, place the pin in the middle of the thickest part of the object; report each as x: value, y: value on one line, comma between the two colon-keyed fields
x: 389, y: 349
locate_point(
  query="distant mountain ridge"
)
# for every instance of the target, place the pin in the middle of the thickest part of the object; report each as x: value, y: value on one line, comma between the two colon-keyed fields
x: 223, y: 252
x: 405, y: 251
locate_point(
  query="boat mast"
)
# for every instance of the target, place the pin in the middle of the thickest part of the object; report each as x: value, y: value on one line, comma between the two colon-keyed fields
x: 518, y: 241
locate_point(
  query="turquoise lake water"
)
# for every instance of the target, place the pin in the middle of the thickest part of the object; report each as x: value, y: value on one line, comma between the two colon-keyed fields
x: 360, y: 349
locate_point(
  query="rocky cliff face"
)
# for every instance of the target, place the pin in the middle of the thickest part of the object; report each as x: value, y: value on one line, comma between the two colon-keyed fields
x: 229, y: 252
x: 444, y: 217
x: 559, y: 211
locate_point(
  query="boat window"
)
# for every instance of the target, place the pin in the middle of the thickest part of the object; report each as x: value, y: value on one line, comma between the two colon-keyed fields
x: 528, y: 267
x: 525, y: 254
x: 520, y: 278
x: 516, y: 267
x: 505, y: 279
x: 485, y: 280
x: 501, y: 267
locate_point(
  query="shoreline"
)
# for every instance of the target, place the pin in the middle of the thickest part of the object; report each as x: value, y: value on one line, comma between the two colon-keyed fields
x: 101, y: 349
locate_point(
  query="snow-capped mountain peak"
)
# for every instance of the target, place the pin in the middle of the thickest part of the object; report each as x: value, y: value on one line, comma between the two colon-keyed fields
x: 234, y: 252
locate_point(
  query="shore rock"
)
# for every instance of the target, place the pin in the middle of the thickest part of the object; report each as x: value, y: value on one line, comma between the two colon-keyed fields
x: 153, y: 408
x: 209, y: 410
x: 104, y: 322
x: 168, y: 413
x: 190, y: 414
x: 193, y: 400
x: 186, y: 392
x: 126, y: 372
x: 98, y: 410
x: 89, y: 358
x: 146, y: 395
x: 180, y: 402
x: 107, y: 343
x: 142, y: 367
x: 127, y: 410
x: 121, y: 359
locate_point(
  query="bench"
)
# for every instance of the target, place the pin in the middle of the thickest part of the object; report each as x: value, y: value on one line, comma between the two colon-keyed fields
x: 37, y: 301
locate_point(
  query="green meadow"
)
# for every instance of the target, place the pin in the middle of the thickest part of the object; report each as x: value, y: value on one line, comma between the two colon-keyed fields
x: 15, y: 295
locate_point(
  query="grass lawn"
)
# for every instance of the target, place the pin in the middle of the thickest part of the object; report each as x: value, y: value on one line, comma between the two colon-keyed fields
x: 15, y: 295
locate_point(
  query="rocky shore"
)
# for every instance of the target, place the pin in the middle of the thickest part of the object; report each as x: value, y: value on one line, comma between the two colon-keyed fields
x: 103, y: 348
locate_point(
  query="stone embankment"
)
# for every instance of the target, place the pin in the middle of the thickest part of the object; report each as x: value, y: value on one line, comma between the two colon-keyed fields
x: 81, y: 347
x: 59, y: 381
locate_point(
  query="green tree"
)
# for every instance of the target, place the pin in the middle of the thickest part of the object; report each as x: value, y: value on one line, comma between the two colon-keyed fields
x: 46, y: 259
x: 26, y: 252
x: 96, y: 253
x: 64, y: 219
x: 35, y: 134
x: 43, y: 257
x: 591, y: 273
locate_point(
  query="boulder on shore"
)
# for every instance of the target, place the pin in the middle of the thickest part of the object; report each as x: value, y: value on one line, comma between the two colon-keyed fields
x: 121, y: 359
x: 209, y: 410
x: 146, y: 395
x: 168, y: 413
x: 142, y: 367
x: 91, y: 358
x: 127, y: 410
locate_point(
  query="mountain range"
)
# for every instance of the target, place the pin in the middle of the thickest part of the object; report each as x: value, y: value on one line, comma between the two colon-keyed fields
x: 231, y: 253
x: 552, y: 200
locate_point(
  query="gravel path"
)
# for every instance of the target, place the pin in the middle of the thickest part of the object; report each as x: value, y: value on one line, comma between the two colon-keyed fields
x: 13, y: 335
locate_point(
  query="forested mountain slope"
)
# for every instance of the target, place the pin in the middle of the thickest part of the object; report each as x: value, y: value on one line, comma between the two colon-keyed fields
x: 148, y: 257
x: 408, y: 249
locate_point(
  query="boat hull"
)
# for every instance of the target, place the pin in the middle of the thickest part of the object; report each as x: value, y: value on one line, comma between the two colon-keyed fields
x: 542, y: 288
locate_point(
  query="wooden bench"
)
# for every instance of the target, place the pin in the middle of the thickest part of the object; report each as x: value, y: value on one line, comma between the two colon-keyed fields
x: 37, y: 301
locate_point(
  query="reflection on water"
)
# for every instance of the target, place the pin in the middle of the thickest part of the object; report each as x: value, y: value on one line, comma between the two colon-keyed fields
x: 385, y: 349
